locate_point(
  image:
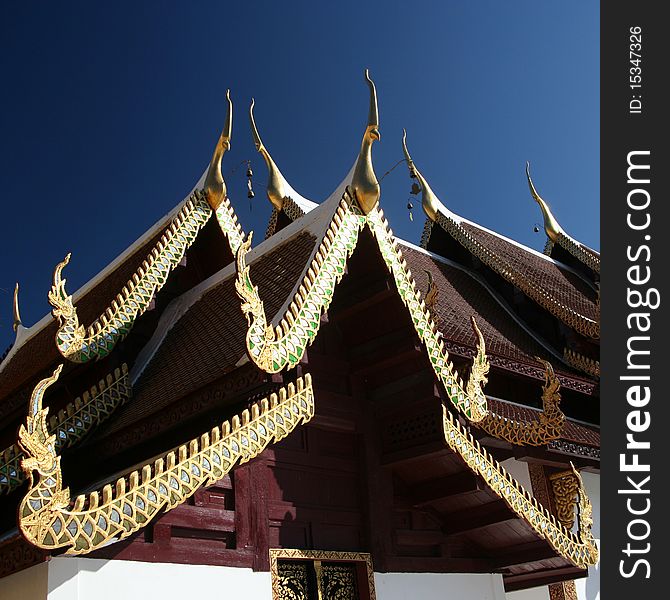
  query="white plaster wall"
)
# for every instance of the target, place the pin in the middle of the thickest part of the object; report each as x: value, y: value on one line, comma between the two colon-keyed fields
x: 442, y: 586
x: 29, y: 584
x: 536, y: 593
x: 518, y: 470
x: 97, y: 579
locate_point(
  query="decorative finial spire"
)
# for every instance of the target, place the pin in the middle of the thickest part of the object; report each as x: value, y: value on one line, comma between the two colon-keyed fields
x: 364, y: 181
x: 278, y: 187
x: 429, y: 201
x: 215, y: 186
x: 17, y: 315
x: 551, y: 226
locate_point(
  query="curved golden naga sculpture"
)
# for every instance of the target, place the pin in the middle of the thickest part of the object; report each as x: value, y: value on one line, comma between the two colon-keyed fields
x: 557, y: 235
x: 48, y: 519
x: 582, y: 363
x: 80, y: 344
x: 431, y: 205
x: 276, y: 348
x: 364, y: 182
x: 278, y: 188
x: 15, y: 308
x: 215, y: 186
x: 72, y: 423
x: 579, y: 548
x: 539, y: 432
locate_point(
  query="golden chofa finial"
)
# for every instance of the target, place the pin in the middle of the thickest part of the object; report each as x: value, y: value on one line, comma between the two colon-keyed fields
x: 278, y: 188
x: 364, y: 181
x: 17, y: 315
x: 551, y: 226
x: 215, y: 186
x: 429, y: 201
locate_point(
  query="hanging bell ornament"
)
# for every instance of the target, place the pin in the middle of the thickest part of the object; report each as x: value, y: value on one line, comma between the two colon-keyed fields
x: 415, y: 189
x: 250, y: 173
x: 250, y: 192
x: 410, y: 206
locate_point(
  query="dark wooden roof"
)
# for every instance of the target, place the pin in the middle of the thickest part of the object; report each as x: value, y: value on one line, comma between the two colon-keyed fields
x: 559, y: 282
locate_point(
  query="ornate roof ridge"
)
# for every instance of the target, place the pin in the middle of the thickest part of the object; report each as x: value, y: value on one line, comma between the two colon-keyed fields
x: 72, y: 423
x: 491, y: 291
x: 80, y: 344
x: 50, y: 520
x: 454, y: 227
x: 557, y: 235
x: 579, y: 548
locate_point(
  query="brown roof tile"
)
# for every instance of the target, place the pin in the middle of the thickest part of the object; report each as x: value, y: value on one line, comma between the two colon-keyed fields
x: 562, y: 284
x: 39, y: 353
x: 209, y: 339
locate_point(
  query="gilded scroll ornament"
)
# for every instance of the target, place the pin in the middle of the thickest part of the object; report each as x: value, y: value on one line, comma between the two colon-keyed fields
x: 80, y: 344
x: 557, y: 235
x: 50, y: 520
x: 565, y: 487
x: 538, y: 432
x: 72, y: 423
x: 277, y: 348
x: 579, y: 548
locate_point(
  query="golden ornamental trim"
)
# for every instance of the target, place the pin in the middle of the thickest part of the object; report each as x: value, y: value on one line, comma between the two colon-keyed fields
x: 50, y: 520
x: 582, y: 363
x: 273, y: 349
x: 470, y: 400
x: 579, y: 548
x: 565, y: 488
x: 276, y: 348
x: 364, y: 181
x: 556, y: 234
x: 277, y: 554
x: 80, y: 344
x: 584, y: 325
x: 538, y: 432
x: 72, y: 423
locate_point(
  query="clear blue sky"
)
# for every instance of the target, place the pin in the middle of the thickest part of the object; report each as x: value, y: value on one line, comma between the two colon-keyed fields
x: 110, y: 112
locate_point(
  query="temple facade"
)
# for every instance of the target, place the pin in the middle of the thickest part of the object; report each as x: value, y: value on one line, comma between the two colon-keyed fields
x: 328, y: 413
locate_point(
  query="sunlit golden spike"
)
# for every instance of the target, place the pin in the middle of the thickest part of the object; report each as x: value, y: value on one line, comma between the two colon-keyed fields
x: 429, y: 201
x: 551, y: 226
x: 215, y: 186
x: 278, y: 188
x: 17, y: 315
x: 364, y: 182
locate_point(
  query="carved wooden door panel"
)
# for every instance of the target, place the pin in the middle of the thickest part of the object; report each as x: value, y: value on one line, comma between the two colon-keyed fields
x: 320, y: 580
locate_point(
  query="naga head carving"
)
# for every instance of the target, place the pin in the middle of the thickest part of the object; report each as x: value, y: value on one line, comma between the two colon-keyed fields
x: 215, y: 186
x: 34, y: 438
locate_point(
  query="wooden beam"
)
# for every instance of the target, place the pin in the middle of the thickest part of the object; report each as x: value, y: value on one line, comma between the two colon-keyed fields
x: 477, y: 517
x: 429, y: 450
x: 444, y: 487
x: 523, y: 581
x: 430, y: 564
x: 524, y: 553
x: 418, y: 537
